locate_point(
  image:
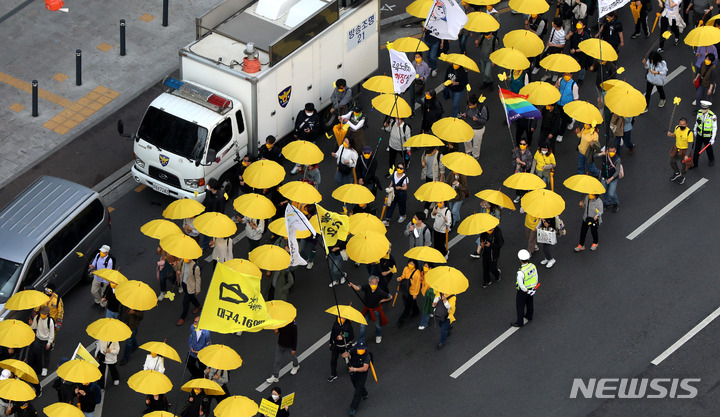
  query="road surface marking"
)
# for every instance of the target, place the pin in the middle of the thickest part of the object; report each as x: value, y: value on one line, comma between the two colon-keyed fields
x: 689, y: 335
x: 236, y: 239
x: 665, y: 210
x: 322, y: 342
x: 459, y: 371
x: 672, y: 75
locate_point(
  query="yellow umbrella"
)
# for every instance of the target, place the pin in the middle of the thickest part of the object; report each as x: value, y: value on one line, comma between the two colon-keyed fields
x: 363, y: 222
x: 236, y: 406
x: 367, y: 247
x: 625, y: 102
x: 496, y: 197
x: 159, y: 228
x: 63, y: 410
x: 409, y: 44
x: 353, y: 194
x: 524, y: 181
x: 419, y: 8
x: 26, y: 299
x: 159, y: 414
x: 710, y: 22
x: 301, y: 192
x: 136, y: 295
x: 462, y: 163
x: 463, y: 60
x: 452, y: 129
x: 703, y: 36
x: 109, y: 330
x: 210, y: 387
x: 541, y: 93
x: 302, y: 152
x: 543, y: 203
x: 382, y: 84
x: 16, y: 390
x: 560, y: 63
x: 270, y: 257
x: 510, y: 58
x: 481, y: 22
x: 478, y: 223
x: 243, y: 266
x: 15, y: 334
x: 255, y: 206
x: 282, y: 311
x: 446, y: 280
x: 79, y: 371
x: 482, y: 2
x: 609, y: 84
x: 392, y: 105
x: 277, y: 226
x: 150, y: 382
x: 182, y: 246
x: 583, y: 111
x: 529, y: 6
x: 220, y: 357
x: 435, y: 191
x: 21, y: 369
x: 215, y: 224
x: 599, y: 49
x: 264, y: 174
x: 422, y: 140
x: 162, y: 349
x: 584, y: 184
x: 525, y: 41
x: 183, y: 209
x: 426, y: 254
x: 347, y: 312
x: 111, y: 275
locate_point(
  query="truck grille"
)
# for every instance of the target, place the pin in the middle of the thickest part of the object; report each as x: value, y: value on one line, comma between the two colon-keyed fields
x: 164, y: 177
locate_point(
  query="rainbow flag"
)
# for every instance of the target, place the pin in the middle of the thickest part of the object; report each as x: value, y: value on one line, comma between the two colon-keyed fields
x: 516, y: 106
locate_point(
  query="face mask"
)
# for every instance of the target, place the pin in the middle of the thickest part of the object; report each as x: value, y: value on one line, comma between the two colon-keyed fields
x: 187, y: 261
x: 103, y: 254
x: 269, y: 145
x: 543, y: 152
x: 275, y: 397
x: 367, y: 155
x: 153, y: 354
x: 341, y: 320
x: 523, y: 147
x: 579, y: 26
x: 43, y: 316
x: 708, y: 62
x: 245, y: 163
x: 48, y: 291
x: 341, y: 89
x: 418, y: 60
x: 440, y: 204
x: 196, y: 390
x: 534, y: 16
x: 517, y: 73
x: 373, y: 287
x: 587, y: 126
x: 357, y: 115
x: 346, y: 145
x: 308, y: 114
x: 591, y: 197
x: 428, y: 97
x: 682, y: 127
x: 361, y: 351
x: 488, y: 36
x: 400, y: 171
x: 548, y: 107
x: 489, y: 8
x: 567, y: 77
x: 411, y: 266
x: 414, y: 220
x: 611, y: 154
x: 426, y: 268
x: 456, y: 66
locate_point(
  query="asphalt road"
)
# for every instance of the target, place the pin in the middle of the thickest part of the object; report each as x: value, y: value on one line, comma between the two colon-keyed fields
x: 599, y: 314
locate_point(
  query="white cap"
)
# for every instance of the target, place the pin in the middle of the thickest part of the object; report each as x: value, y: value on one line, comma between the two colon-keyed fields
x: 105, y: 248
x: 5, y: 374
x: 523, y: 255
x: 705, y: 104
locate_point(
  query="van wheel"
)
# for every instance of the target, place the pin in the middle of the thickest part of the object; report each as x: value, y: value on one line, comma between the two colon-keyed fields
x: 226, y: 184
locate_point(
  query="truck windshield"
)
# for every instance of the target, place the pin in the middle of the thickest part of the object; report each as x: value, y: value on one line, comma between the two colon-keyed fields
x: 173, y: 134
x: 9, y: 273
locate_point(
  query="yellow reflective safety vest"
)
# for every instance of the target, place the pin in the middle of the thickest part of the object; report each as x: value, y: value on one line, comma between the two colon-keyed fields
x: 530, y: 279
x: 705, y: 123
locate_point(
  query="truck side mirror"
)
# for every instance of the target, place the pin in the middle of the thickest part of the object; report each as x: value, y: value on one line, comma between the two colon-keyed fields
x: 121, y: 129
x: 211, y: 156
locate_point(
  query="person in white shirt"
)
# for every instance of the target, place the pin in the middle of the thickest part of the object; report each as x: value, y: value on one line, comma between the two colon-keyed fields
x: 102, y: 260
x: 154, y: 362
x: 555, y: 45
x: 254, y: 229
x: 346, y: 158
x: 442, y: 220
x: 44, y: 327
x: 107, y: 353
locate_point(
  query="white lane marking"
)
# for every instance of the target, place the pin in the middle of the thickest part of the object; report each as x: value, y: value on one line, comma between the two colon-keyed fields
x: 454, y: 241
x: 459, y: 371
x: 50, y: 378
x: 672, y: 75
x: 236, y: 239
x: 665, y: 210
x: 322, y: 342
x: 689, y: 335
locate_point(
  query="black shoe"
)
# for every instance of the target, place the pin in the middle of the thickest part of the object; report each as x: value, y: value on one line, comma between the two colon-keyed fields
x: 475, y: 255
x: 516, y: 324
x: 711, y: 163
x: 440, y: 346
x: 616, y: 208
x: 635, y: 35
x: 647, y: 34
x: 499, y: 277
x: 528, y: 318
x: 331, y: 378
x: 365, y: 397
x: 486, y: 284
x: 676, y: 176
x: 681, y: 181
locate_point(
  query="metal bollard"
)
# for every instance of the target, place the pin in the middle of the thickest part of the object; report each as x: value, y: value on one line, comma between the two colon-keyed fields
x: 34, y: 98
x: 165, y: 12
x: 122, y: 37
x: 78, y: 67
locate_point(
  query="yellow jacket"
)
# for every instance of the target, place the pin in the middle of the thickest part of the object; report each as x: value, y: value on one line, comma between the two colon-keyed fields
x: 424, y: 287
x: 415, y: 281
x: 57, y: 310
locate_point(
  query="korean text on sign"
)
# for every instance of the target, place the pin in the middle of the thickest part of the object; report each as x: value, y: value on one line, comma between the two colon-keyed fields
x: 362, y: 31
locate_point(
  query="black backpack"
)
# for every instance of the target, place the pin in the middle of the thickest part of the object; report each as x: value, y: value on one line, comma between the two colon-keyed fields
x: 441, y: 312
x: 107, y: 258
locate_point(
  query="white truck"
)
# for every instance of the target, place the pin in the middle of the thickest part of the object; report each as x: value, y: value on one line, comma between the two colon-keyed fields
x: 253, y: 66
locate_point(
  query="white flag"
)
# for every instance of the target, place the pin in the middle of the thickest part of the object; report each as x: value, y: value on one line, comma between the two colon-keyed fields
x: 445, y: 19
x: 607, y: 6
x: 295, y: 221
x: 403, y: 72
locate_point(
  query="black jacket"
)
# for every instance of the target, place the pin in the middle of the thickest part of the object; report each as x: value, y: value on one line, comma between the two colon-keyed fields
x: 303, y: 122
x: 214, y: 202
x: 112, y: 302
x: 432, y: 112
x: 347, y: 331
x: 550, y: 122
x: 366, y: 169
x: 287, y: 336
x: 496, y: 242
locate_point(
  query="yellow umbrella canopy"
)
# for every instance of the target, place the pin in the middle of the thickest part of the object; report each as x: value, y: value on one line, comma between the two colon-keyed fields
x: 462, y: 163
x: 419, y: 8
x: 215, y: 224
x: 435, y: 191
x: 422, y: 140
x: 15, y: 334
x: 583, y: 111
x: 63, y: 410
x: 543, y: 203
x: 710, y: 22
x: 21, y: 369
x: 529, y: 6
x: 264, y: 174
x: 426, y: 254
x: 541, y: 93
x: 236, y: 406
x: 452, y: 129
x: 347, y: 312
x: 446, y: 280
x: 362, y: 222
x: 609, y: 84
x: 162, y: 349
x: 463, y: 60
x: 136, y: 295
x: 183, y: 209
x: 409, y: 44
x: 525, y: 41
x: 277, y: 226
x: 270, y: 257
x: 482, y: 2
x: 150, y: 382
x: 220, y: 357
x: 481, y: 22
x: 280, y: 310
x: 243, y: 266
x: 159, y: 228
x: 560, y: 63
x: 182, y: 246
x: 382, y: 84
x: 26, y: 299
x: 301, y: 192
x: 703, y: 36
x: 524, y: 181
x: 496, y: 197
x: 159, y: 414
x: 367, y: 247
x: 210, y: 387
x: 16, y: 390
x: 255, y: 206
x: 585, y: 184
x: 392, y: 105
x: 302, y: 152
x: 353, y: 194
x: 599, y: 49
x: 510, y: 58
x: 477, y: 223
x: 625, y: 102
x: 111, y: 275
x: 79, y: 371
x: 109, y: 330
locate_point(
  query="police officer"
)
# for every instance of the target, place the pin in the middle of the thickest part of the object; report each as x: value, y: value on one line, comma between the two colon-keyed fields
x: 527, y: 282
x: 359, y: 365
x: 705, y: 130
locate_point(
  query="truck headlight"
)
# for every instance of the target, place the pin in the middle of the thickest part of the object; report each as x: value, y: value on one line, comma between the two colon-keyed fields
x: 139, y: 162
x: 195, y: 183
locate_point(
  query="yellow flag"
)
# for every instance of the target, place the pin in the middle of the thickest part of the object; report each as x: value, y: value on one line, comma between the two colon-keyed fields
x: 82, y: 353
x: 334, y: 225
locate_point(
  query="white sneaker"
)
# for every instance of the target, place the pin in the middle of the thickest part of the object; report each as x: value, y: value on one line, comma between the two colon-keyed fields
x: 294, y: 370
x: 558, y: 139
x: 161, y: 296
x: 334, y: 283
x: 238, y: 333
x: 44, y: 372
x: 535, y: 70
x: 180, y: 290
x: 694, y: 102
x: 516, y: 200
x: 422, y: 328
x: 116, y: 382
x: 310, y: 265
x: 342, y: 280
x: 433, y: 73
x: 272, y: 379
x: 402, y: 219
x: 550, y: 263
x: 295, y: 170
x: 543, y: 262
x: 545, y: 77
x: 522, y: 210
x: 571, y: 126
x: 386, y: 223
x: 378, y: 339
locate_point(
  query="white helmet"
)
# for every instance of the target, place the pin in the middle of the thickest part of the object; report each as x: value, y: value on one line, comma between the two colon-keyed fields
x: 523, y: 255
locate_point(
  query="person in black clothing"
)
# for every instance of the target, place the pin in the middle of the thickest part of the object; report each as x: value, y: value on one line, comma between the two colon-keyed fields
x: 489, y: 246
x: 270, y: 151
x: 384, y: 270
x: 410, y: 275
x: 606, y: 70
x: 611, y: 31
x: 197, y: 401
x: 341, y: 337
x: 366, y: 169
x: 579, y: 34
x: 432, y: 111
x: 373, y: 312
x: 87, y: 395
x: 550, y: 125
x: 307, y: 124
x: 110, y: 302
x: 25, y: 409
x: 359, y: 365
x: 241, y: 167
x: 287, y: 343
x: 642, y: 24
x: 456, y: 81
x: 156, y: 403
x: 524, y: 128
x: 214, y: 200
x: 276, y: 398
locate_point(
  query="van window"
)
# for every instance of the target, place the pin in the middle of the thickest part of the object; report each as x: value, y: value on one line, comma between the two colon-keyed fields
x: 34, y: 270
x: 9, y: 273
x: 240, y: 122
x: 74, y: 232
x: 221, y: 135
